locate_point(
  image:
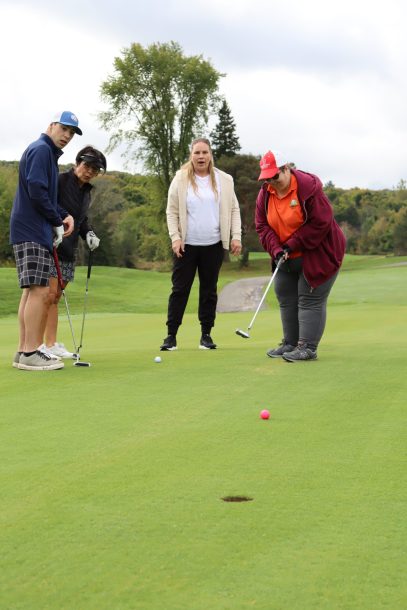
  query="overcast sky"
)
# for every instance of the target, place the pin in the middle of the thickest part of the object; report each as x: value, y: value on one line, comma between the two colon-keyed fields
x: 325, y: 81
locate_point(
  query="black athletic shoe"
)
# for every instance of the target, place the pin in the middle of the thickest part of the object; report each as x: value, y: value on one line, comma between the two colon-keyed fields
x: 169, y: 344
x: 206, y: 342
x: 300, y: 353
x: 277, y: 352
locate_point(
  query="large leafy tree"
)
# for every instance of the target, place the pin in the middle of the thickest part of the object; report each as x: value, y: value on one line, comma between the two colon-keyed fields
x: 245, y: 170
x: 158, y: 101
x: 8, y: 184
x: 400, y: 232
x: 224, y: 139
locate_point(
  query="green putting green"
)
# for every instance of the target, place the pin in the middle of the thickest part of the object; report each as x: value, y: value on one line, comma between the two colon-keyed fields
x: 113, y: 477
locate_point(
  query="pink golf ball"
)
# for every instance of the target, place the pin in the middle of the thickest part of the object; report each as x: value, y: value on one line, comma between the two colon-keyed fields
x: 265, y: 414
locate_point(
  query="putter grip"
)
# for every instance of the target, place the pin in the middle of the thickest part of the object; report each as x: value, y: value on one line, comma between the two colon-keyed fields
x: 58, y: 268
x: 90, y: 263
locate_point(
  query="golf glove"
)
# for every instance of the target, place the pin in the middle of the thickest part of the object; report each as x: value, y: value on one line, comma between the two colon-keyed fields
x: 92, y: 240
x: 59, y: 235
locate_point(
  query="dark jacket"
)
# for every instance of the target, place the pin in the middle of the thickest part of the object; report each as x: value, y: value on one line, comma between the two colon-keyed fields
x: 76, y: 200
x: 320, y: 238
x: 35, y: 209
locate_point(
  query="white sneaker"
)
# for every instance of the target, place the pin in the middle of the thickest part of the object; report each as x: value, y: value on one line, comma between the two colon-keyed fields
x: 44, y: 349
x: 59, y: 349
x: 38, y: 361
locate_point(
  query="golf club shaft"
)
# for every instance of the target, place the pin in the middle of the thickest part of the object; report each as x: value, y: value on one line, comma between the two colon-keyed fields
x: 265, y: 294
x: 86, y: 297
x: 61, y: 284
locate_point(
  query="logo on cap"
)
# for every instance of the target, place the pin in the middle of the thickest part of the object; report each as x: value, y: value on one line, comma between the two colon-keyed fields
x: 270, y: 164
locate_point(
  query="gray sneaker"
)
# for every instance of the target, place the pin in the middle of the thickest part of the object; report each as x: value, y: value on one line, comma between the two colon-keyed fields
x: 277, y: 352
x: 38, y: 361
x: 300, y: 353
x: 16, y: 359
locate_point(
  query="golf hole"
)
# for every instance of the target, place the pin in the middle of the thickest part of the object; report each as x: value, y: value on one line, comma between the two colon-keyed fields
x: 237, y: 499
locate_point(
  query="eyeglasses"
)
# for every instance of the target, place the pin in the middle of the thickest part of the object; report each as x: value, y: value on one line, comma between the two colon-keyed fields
x: 95, y: 170
x: 277, y: 175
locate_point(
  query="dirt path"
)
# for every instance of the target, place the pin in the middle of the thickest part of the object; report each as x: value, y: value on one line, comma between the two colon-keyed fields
x: 242, y: 295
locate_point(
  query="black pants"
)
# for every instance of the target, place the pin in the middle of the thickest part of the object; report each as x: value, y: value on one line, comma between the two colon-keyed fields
x: 208, y: 261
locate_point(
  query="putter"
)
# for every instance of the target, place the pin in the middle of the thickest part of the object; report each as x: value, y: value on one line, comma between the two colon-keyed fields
x: 242, y: 333
x: 78, y: 362
x: 61, y: 284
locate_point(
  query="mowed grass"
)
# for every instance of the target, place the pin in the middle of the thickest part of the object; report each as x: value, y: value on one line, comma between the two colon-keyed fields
x: 112, y: 477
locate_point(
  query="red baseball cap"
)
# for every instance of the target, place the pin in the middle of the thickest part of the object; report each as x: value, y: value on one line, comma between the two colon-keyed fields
x: 270, y: 164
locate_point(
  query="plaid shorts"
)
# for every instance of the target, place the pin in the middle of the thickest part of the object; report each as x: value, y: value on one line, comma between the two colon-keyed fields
x: 67, y: 270
x: 33, y: 264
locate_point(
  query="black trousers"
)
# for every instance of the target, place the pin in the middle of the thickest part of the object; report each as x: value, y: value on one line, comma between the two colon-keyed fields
x: 208, y: 261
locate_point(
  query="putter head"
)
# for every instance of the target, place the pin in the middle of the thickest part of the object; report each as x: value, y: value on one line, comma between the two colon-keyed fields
x: 242, y: 333
x: 80, y: 363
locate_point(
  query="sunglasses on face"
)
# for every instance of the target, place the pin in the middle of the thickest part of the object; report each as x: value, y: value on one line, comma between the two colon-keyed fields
x: 277, y: 175
x: 94, y: 170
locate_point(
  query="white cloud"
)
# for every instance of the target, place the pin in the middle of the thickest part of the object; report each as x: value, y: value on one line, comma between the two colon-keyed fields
x: 324, y: 81
x: 48, y: 68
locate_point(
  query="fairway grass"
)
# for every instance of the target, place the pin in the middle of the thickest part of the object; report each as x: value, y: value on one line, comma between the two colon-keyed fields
x: 112, y: 477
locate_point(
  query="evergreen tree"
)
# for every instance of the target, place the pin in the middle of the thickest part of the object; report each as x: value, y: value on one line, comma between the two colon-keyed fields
x: 224, y: 140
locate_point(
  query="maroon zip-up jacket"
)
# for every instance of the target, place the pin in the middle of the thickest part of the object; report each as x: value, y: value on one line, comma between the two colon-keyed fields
x: 320, y: 238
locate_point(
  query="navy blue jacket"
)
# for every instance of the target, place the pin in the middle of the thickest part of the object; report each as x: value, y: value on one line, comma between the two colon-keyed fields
x: 35, y: 209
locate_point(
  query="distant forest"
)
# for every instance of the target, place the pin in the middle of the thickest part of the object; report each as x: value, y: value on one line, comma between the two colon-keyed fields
x: 128, y: 214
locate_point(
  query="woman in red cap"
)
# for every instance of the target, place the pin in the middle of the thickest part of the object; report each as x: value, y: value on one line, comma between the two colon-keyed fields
x: 295, y: 220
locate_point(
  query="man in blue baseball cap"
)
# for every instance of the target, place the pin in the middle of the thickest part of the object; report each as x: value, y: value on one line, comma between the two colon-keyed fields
x: 69, y: 119
x: 37, y: 224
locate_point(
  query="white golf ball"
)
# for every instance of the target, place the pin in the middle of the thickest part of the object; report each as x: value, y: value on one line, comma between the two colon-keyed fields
x: 157, y: 359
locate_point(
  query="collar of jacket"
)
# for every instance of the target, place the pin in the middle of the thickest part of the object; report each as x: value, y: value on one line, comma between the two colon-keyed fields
x: 307, y: 184
x: 57, y: 151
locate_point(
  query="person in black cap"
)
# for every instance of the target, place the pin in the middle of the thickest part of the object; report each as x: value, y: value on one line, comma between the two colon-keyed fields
x: 74, y: 193
x: 37, y: 223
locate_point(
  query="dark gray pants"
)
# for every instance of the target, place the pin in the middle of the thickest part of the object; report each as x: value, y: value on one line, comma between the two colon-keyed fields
x: 302, y: 309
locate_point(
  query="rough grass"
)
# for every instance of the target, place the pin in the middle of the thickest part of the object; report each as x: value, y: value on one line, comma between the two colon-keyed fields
x: 112, y: 477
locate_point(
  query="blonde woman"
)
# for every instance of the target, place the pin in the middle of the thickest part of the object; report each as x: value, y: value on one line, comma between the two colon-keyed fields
x: 203, y: 219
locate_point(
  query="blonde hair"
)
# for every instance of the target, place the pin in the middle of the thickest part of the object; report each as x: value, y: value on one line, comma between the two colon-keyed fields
x: 190, y: 168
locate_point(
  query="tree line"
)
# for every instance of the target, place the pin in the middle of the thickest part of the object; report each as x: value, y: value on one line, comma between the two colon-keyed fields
x: 158, y: 100
x: 126, y: 212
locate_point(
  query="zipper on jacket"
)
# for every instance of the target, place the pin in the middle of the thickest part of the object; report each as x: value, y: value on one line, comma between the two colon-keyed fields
x: 304, y: 207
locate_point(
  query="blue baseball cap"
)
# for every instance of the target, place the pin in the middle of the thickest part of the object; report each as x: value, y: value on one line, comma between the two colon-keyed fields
x: 68, y: 118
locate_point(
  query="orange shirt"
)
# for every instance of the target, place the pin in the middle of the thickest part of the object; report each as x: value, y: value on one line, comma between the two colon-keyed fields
x: 284, y: 214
